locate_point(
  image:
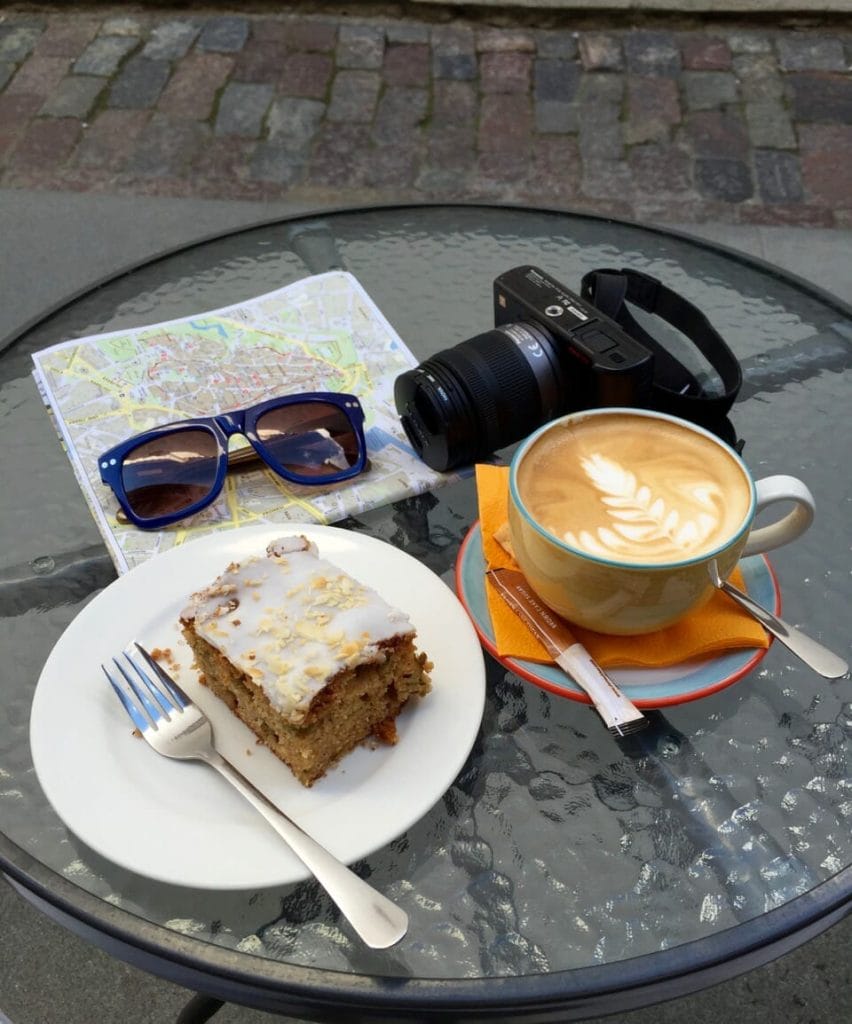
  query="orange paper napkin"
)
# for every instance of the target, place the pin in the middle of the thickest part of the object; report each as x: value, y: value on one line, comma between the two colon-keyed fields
x: 719, y: 626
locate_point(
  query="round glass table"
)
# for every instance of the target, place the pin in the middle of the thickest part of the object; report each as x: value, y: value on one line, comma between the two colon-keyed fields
x: 565, y: 873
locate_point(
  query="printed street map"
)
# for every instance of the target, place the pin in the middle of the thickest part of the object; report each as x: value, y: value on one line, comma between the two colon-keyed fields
x: 322, y: 333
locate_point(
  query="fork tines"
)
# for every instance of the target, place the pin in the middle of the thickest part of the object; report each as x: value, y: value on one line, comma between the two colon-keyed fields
x: 155, y: 703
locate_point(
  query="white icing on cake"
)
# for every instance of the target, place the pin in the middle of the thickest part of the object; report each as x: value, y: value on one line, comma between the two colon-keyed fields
x: 292, y: 620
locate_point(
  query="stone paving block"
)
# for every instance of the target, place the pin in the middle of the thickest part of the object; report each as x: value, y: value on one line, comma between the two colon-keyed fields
x: 165, y: 148
x: 191, y: 91
x: 66, y: 38
x: 660, y: 168
x: 453, y: 103
x: 653, y: 108
x: 555, y: 117
x: 443, y: 182
x: 604, y: 93
x: 122, y: 25
x: 17, y: 42
x: 400, y: 112
x: 171, y: 40
x: 458, y: 66
x: 311, y: 35
x: 601, y: 52
x: 652, y: 53
x: 495, y: 169
x: 555, y: 168
x: 720, y: 178
x: 104, y: 54
x: 7, y: 141
x: 274, y: 161
x: 7, y: 69
x: 405, y: 32
x: 223, y: 162
x: 360, y: 46
x: 260, y: 60
x: 108, y: 141
x: 504, y: 40
x: 605, y: 179
x: 407, y: 64
x: 75, y: 96
x: 779, y: 178
x: 139, y: 83
x: 601, y: 141
x: 759, y: 77
x: 451, y: 147
x: 342, y: 155
x: 305, y: 74
x: 38, y: 76
x: 353, y: 96
x: 242, y: 108
x: 392, y: 167
x: 717, y: 135
x: 223, y: 34
x: 505, y: 71
x: 705, y: 53
x: 557, y: 80
x: 560, y: 45
x: 794, y: 214
x: 47, y: 142
x: 505, y: 123
x: 749, y: 42
x: 453, y: 53
x: 821, y: 98
x: 294, y: 122
x: 707, y: 90
x: 769, y: 125
x: 810, y: 53
x: 15, y: 111
x: 826, y: 162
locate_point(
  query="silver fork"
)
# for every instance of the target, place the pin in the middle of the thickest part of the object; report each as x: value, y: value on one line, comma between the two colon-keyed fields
x: 176, y: 727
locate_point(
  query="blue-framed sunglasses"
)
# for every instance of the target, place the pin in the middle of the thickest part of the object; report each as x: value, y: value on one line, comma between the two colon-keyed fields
x: 165, y: 474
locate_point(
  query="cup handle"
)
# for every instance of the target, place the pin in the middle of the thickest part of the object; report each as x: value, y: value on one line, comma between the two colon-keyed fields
x: 772, y: 489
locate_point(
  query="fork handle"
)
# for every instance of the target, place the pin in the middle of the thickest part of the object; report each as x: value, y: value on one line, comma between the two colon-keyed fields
x: 378, y: 921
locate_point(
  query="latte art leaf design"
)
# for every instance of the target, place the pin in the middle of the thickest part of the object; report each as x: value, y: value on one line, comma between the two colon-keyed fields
x: 641, y: 519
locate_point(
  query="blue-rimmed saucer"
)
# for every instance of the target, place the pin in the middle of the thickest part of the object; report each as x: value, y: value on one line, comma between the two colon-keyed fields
x: 647, y: 688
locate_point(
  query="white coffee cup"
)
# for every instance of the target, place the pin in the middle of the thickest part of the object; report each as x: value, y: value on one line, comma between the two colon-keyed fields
x: 590, y: 533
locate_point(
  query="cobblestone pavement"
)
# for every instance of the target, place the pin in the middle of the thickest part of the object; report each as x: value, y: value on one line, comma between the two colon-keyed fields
x: 723, y: 123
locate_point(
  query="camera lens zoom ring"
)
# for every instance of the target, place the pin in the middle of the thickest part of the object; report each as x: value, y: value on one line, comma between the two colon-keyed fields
x: 506, y: 390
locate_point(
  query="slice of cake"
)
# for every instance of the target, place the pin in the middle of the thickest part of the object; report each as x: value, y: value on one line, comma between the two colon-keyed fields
x: 312, y: 661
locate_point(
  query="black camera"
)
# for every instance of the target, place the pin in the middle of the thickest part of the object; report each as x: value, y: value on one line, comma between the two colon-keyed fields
x: 550, y: 353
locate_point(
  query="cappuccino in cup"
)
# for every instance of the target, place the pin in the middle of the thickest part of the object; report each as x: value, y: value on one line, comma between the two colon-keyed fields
x: 616, y: 514
x: 611, y: 488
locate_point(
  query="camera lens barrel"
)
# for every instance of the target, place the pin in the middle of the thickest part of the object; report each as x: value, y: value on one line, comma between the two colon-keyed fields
x: 487, y: 392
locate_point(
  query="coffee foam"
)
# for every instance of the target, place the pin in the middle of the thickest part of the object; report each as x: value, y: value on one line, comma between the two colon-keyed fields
x: 633, y: 489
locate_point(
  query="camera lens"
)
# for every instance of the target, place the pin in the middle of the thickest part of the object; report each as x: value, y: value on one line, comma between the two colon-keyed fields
x: 487, y: 392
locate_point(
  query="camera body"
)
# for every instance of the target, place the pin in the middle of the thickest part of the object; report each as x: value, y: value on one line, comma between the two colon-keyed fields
x: 602, y: 364
x: 550, y: 353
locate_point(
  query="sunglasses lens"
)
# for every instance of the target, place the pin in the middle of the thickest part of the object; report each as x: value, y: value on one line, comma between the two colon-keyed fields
x: 309, y: 439
x: 170, y: 473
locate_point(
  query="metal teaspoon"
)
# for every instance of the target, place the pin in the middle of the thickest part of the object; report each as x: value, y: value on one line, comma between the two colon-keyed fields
x: 819, y: 658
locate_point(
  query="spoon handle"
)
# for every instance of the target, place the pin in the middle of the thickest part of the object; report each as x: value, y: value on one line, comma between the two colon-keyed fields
x: 819, y: 658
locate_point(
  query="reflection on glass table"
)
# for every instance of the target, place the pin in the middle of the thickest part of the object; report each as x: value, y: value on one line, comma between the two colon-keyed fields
x: 560, y: 873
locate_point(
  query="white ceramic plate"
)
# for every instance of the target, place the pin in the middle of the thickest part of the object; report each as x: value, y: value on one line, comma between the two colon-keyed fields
x: 180, y: 822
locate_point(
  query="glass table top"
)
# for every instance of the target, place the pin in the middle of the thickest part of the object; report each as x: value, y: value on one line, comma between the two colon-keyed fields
x: 557, y: 848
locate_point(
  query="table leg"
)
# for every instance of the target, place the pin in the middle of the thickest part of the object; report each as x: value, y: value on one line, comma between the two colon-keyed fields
x: 199, y: 1009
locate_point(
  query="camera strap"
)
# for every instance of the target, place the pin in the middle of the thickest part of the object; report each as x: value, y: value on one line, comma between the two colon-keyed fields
x: 675, y: 389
